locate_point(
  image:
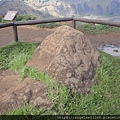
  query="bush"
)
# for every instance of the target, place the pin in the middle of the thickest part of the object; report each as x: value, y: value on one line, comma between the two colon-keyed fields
x: 49, y: 25
x: 24, y: 17
x: 52, y: 25
x: 5, y: 21
x: 19, y: 18
x: 96, y: 28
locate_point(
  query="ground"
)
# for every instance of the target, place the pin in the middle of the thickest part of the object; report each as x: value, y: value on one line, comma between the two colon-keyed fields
x: 34, y: 34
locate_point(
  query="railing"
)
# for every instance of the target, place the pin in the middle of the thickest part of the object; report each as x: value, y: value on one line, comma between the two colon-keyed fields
x: 33, y: 22
x: 103, y: 22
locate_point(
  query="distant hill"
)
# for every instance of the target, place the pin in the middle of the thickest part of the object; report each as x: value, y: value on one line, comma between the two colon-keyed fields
x: 62, y: 8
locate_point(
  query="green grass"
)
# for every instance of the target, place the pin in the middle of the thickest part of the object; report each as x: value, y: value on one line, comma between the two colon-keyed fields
x: 103, y: 99
x: 25, y: 17
x: 91, y: 28
x: 52, y: 25
x: 85, y: 28
x: 49, y: 25
x: 16, y: 51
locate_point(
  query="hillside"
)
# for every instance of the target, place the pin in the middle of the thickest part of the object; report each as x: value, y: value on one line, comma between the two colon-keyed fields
x: 63, y: 8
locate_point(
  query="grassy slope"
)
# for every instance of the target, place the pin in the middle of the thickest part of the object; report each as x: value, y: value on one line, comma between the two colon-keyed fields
x: 103, y: 99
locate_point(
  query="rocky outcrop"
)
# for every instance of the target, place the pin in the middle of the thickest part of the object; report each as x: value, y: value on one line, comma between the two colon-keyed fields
x: 69, y: 57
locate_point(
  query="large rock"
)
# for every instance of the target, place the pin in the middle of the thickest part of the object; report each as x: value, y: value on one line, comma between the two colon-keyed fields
x: 69, y: 57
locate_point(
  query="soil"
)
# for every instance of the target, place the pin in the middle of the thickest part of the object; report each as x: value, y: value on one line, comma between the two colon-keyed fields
x: 103, y: 39
x: 25, y: 34
x: 16, y: 92
x: 34, y: 34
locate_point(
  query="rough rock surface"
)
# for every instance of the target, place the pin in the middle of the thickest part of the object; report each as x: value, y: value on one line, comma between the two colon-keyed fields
x: 69, y: 57
x: 14, y: 92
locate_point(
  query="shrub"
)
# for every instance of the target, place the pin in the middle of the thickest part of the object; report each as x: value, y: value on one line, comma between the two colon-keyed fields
x: 96, y: 28
x: 49, y: 25
x: 19, y: 18
x: 24, y: 17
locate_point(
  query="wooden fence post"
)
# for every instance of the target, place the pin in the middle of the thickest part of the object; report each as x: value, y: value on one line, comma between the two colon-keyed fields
x: 15, y: 33
x: 74, y: 24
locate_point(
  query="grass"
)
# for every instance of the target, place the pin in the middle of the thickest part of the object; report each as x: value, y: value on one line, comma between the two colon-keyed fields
x: 19, y: 18
x: 52, y: 25
x: 103, y: 99
x: 49, y: 25
x: 96, y: 28
x: 16, y: 51
x: 85, y: 28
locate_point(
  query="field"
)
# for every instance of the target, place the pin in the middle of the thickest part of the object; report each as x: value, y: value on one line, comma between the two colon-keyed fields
x: 103, y: 99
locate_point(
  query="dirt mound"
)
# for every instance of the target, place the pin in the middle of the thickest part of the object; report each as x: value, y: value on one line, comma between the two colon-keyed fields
x: 14, y: 92
x: 68, y: 56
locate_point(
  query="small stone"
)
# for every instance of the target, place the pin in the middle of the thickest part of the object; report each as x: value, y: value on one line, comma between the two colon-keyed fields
x: 27, y: 90
x: 115, y: 50
x: 21, y: 94
x: 69, y: 75
x: 12, y: 100
x: 24, y: 98
x: 37, y: 90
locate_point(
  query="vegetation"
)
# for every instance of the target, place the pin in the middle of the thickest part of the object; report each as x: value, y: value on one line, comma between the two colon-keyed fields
x: 24, y: 17
x: 20, y: 18
x: 96, y: 28
x: 49, y: 25
x: 0, y: 19
x: 86, y: 28
x: 103, y: 99
x: 15, y: 50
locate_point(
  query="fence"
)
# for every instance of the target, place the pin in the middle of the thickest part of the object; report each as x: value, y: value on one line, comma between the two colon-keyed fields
x: 33, y: 22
